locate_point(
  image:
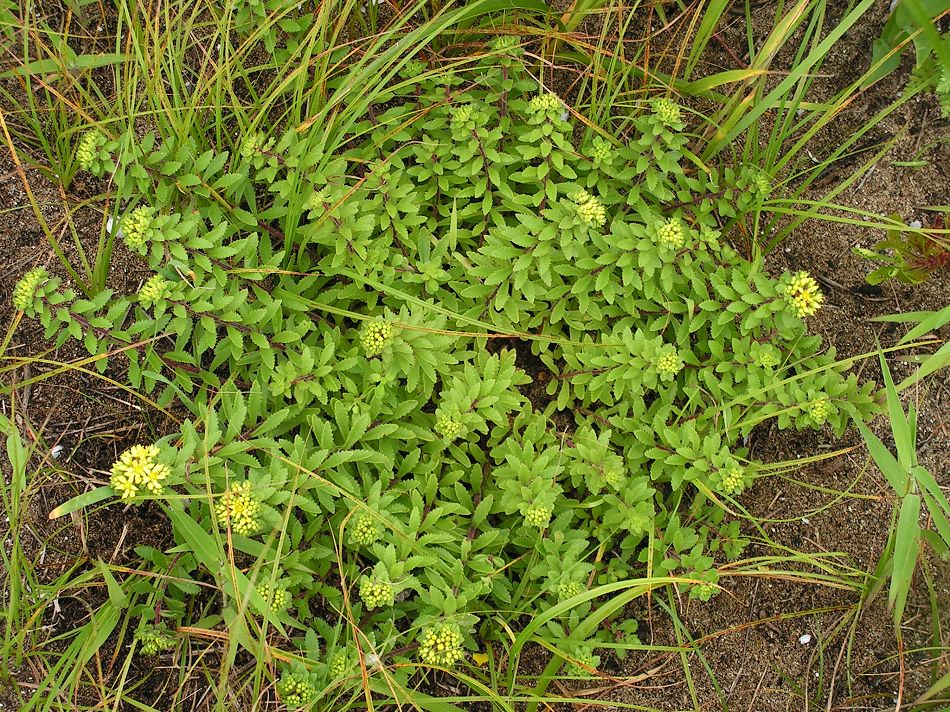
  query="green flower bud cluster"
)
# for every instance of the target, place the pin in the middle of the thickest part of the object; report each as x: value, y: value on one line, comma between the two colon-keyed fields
x: 317, y: 200
x: 252, y: 145
x: 670, y: 234
x: 583, y: 661
x: 138, y: 467
x: 364, y: 531
x: 569, y: 589
x: 505, y: 43
x: 240, y: 507
x: 441, y: 645
x: 277, y: 600
x: 463, y: 116
x: 762, y: 184
x: 296, y: 689
x: 136, y: 227
x: 667, y: 111
x: 376, y: 593
x: 339, y: 665
x: 413, y: 68
x: 376, y: 336
x: 25, y: 291
x: 87, y: 152
x: 601, y: 151
x: 802, y: 294
x: 732, y: 480
x: 614, y: 478
x: 703, y: 591
x: 446, y: 427
x: 589, y: 209
x: 154, y: 639
x: 767, y: 356
x: 154, y: 289
x: 668, y: 364
x: 537, y: 515
x: 544, y: 104
x: 818, y: 410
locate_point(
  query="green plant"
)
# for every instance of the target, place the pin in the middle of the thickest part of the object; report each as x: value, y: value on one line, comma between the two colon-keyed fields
x: 911, y: 255
x: 352, y: 325
x: 913, y: 486
x: 915, y: 21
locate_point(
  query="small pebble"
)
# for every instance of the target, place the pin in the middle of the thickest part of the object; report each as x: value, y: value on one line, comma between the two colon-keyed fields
x: 56, y: 451
x: 805, y: 639
x: 916, y: 224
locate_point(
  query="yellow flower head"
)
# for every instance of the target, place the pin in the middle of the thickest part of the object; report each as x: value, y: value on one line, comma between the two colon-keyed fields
x: 138, y: 468
x: 803, y: 294
x: 240, y: 507
x: 590, y: 210
x: 671, y: 235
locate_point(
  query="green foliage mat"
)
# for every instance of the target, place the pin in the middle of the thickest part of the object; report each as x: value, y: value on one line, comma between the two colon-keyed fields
x: 354, y: 333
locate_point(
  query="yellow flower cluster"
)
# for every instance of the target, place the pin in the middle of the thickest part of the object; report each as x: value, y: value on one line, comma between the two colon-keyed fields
x: 25, y: 290
x: 376, y: 593
x: 589, y: 209
x: 670, y: 234
x: 667, y: 111
x: 803, y: 294
x: 138, y: 467
x: 732, y: 480
x: 376, y: 336
x: 135, y: 227
x: 240, y: 507
x: 668, y: 365
x: 441, y: 645
x: 537, y: 515
x: 364, y: 531
x: 154, y: 289
x: 448, y: 428
x: 88, y: 148
x: 278, y: 600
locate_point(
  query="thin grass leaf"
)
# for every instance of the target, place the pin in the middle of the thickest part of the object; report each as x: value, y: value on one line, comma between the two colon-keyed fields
x: 906, y: 544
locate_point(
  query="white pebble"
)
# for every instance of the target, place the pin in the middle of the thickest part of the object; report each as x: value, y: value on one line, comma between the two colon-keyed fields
x: 805, y: 639
x: 916, y: 224
x: 56, y: 451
